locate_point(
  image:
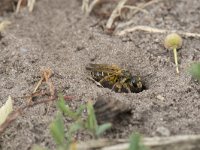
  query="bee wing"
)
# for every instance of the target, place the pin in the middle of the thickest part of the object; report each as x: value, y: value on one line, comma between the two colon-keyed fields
x: 110, y: 69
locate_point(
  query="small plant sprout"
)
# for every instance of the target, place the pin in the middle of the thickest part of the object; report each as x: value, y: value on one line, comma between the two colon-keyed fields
x: 136, y: 142
x: 173, y: 42
x: 195, y: 70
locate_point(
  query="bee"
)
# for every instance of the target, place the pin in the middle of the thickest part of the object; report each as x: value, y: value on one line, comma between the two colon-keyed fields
x: 108, y: 109
x: 115, y: 78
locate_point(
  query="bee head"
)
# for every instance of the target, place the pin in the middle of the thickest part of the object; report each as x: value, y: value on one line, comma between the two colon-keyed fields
x: 136, y: 82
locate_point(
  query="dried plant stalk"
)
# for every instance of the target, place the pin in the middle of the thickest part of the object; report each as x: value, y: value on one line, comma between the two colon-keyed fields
x: 139, y: 8
x: 31, y: 4
x: 116, y: 13
x: 154, y: 30
x: 181, y: 142
x: 87, y: 7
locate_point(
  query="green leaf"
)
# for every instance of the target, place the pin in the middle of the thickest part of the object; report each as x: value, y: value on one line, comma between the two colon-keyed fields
x: 65, y: 108
x: 75, y: 127
x: 91, y: 121
x: 195, y: 70
x: 72, y: 130
x: 61, y: 104
x: 80, y: 110
x: 57, y: 130
x: 102, y: 128
x: 5, y: 110
x: 135, y: 142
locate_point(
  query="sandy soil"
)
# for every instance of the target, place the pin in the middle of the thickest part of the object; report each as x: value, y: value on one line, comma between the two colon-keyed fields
x: 51, y: 37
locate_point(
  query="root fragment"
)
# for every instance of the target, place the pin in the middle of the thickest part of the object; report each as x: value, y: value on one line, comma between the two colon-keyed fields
x: 154, y: 30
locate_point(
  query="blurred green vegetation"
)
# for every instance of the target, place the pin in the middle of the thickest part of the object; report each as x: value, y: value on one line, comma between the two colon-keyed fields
x: 64, y: 136
x: 195, y: 70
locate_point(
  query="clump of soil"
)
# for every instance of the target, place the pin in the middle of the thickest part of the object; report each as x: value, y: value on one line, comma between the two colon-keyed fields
x: 58, y: 36
x: 7, y: 6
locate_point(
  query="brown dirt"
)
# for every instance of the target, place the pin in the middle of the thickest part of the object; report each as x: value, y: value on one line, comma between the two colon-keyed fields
x: 51, y: 37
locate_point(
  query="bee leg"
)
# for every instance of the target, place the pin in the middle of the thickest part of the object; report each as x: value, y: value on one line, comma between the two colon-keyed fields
x: 118, y: 85
x: 103, y: 79
x: 113, y: 87
x: 97, y: 83
x: 127, y: 88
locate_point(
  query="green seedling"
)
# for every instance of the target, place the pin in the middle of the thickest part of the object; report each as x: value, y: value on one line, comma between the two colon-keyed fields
x: 173, y: 42
x: 195, y: 70
x: 65, y: 139
x: 58, y: 132
x: 136, y: 143
x: 91, y: 123
x: 65, y: 109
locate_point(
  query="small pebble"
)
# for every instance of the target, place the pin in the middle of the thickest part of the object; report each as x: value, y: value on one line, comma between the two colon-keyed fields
x: 23, y: 50
x: 162, y: 131
x: 79, y: 48
x: 160, y: 97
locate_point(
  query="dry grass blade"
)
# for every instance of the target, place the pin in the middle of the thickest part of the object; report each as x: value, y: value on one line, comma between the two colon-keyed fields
x: 45, y: 76
x: 9, y: 120
x: 85, y: 6
x: 91, y: 6
x: 154, y: 30
x: 47, y: 73
x: 18, y: 6
x: 38, y: 84
x: 5, y: 110
x: 116, y: 13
